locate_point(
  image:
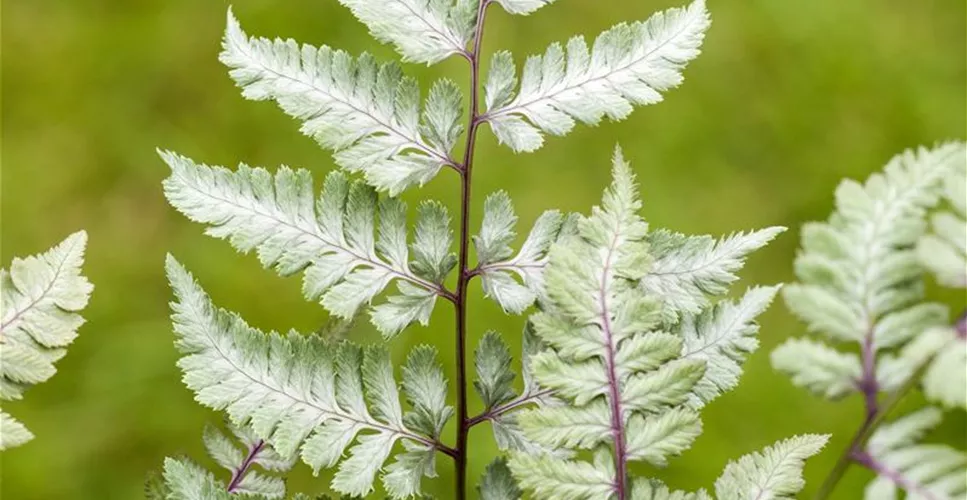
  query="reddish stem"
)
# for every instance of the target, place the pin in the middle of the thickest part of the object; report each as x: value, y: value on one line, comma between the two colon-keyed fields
x: 866, y: 460
x: 460, y: 299
x: 243, y: 469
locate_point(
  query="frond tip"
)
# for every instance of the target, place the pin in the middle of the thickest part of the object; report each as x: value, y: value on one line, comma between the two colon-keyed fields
x: 304, y: 393
x: 605, y: 355
x: 860, y: 282
x: 628, y: 65
x: 41, y: 297
x: 775, y: 472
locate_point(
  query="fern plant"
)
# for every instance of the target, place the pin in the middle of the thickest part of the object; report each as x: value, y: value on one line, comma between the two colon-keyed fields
x: 41, y: 297
x: 862, y: 284
x: 630, y: 333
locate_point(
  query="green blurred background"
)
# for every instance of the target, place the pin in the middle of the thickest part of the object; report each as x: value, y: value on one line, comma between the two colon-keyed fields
x: 788, y: 97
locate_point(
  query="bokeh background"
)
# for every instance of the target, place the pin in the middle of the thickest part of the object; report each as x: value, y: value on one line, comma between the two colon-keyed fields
x: 788, y: 97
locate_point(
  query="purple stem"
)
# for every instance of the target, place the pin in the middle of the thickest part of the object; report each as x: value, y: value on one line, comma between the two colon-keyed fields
x: 243, y: 469
x: 499, y: 410
x: 614, y: 394
x: 875, y: 413
x: 866, y: 460
x: 460, y: 298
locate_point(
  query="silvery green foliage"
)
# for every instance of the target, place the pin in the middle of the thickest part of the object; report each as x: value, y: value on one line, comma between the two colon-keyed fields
x: 633, y: 335
x: 494, y: 385
x: 775, y: 472
x: 860, y: 279
x: 367, y: 112
x: 944, y: 253
x: 944, y: 250
x: 926, y: 471
x: 687, y: 270
x: 497, y: 483
x: 523, y: 7
x: 651, y: 489
x: 424, y: 31
x: 350, y: 243
x: 861, y: 282
x: 306, y: 395
x: 496, y: 262
x: 41, y: 298
x: 627, y: 65
x: 238, y: 456
x: 626, y: 385
x: 945, y: 379
x: 186, y: 480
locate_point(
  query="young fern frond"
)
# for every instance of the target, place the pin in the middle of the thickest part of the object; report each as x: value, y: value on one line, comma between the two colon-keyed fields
x: 239, y: 457
x: 368, y: 113
x: 496, y: 262
x: 502, y: 403
x: 628, y: 65
x: 628, y: 385
x: 347, y: 255
x: 305, y: 394
x: 861, y: 282
x: 605, y: 358
x: 859, y: 275
x: 41, y: 297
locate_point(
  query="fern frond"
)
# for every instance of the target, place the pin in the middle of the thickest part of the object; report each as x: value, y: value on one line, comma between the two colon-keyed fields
x: 818, y: 367
x: 496, y: 263
x: 12, y: 432
x: 296, y: 391
x: 425, y: 31
x: 859, y: 275
x: 41, y: 296
x: 625, y: 389
x: 650, y: 489
x: 239, y: 461
x: 723, y: 336
x: 551, y: 477
x: 945, y: 378
x: 688, y: 270
x: 775, y: 472
x: 348, y: 257
x: 498, y: 483
x: 368, y: 113
x: 523, y: 7
x: 944, y: 251
x: 929, y: 471
x: 492, y: 361
x: 188, y: 481
x: 191, y: 481
x: 630, y: 64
